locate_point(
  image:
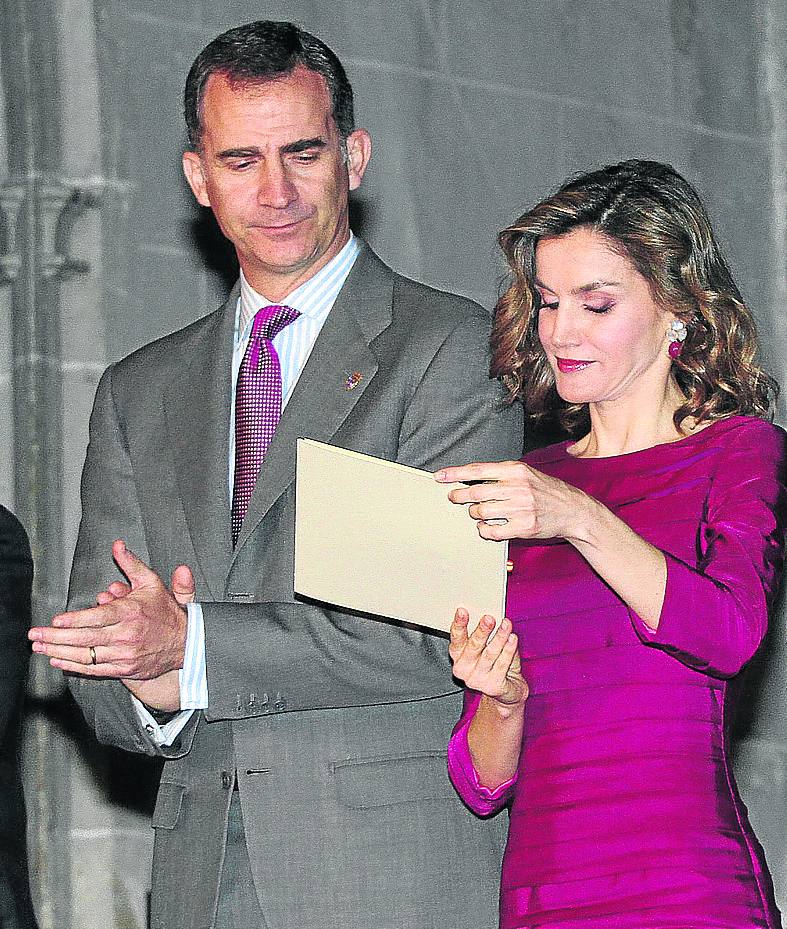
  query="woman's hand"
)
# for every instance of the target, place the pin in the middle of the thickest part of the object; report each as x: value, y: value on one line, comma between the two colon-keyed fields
x: 490, y: 666
x: 514, y: 501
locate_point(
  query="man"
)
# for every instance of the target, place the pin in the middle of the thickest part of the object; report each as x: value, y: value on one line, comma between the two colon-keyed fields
x: 309, y: 788
x: 16, y: 578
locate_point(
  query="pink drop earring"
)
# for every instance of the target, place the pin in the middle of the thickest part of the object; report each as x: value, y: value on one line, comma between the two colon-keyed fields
x: 677, y: 333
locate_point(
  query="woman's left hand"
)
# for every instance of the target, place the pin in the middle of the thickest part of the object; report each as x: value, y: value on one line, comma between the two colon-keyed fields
x: 488, y: 663
x: 531, y: 504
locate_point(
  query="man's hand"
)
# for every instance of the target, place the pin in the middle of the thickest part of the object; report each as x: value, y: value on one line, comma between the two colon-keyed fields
x: 137, y: 634
x: 161, y: 693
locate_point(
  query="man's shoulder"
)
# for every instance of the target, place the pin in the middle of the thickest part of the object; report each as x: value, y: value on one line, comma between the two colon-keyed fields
x: 423, y: 306
x: 414, y: 295
x: 157, y: 356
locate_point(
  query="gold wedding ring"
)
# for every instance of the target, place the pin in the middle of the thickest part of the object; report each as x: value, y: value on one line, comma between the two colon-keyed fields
x: 92, y: 655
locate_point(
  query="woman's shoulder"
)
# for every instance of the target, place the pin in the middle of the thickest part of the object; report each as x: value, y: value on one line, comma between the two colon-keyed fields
x: 547, y: 454
x: 745, y: 449
x: 747, y: 433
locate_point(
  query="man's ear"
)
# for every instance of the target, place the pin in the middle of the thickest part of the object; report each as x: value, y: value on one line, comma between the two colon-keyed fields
x: 192, y: 168
x: 359, y: 151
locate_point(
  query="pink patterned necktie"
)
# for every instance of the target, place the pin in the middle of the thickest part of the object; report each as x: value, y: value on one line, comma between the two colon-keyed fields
x: 257, y: 405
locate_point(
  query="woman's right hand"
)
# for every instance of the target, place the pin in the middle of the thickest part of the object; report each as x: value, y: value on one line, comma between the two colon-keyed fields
x: 489, y: 666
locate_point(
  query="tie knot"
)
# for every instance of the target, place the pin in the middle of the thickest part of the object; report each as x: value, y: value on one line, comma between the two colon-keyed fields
x: 270, y: 320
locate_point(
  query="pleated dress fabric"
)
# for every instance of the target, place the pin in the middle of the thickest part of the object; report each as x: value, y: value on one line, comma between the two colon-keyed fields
x: 624, y: 810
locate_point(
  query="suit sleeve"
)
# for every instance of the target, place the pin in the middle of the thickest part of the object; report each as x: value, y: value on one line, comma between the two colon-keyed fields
x: 715, y: 612
x: 109, y: 511
x: 281, y: 658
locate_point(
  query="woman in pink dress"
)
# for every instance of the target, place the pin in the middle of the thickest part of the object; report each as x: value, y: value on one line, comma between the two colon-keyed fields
x: 646, y: 552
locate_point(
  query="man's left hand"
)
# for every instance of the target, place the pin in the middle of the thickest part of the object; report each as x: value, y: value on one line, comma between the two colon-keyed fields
x: 139, y: 636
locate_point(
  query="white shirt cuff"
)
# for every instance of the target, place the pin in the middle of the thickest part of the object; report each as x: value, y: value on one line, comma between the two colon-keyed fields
x: 162, y: 734
x: 193, y: 676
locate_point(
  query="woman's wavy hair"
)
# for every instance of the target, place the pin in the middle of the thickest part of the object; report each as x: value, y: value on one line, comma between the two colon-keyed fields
x: 653, y: 217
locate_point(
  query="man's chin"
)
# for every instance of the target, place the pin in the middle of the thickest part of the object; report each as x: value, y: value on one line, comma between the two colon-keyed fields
x: 285, y: 254
x: 278, y: 268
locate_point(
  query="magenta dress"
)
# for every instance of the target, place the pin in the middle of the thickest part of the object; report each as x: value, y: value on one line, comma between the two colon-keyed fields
x: 624, y: 810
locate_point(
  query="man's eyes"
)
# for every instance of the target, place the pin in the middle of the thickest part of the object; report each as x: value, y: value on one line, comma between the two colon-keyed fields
x: 304, y: 158
x: 297, y: 158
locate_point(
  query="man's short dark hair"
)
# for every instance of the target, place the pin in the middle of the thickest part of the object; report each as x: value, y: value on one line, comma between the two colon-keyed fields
x: 260, y: 52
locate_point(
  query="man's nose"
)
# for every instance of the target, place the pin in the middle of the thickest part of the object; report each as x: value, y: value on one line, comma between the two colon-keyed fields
x: 275, y: 186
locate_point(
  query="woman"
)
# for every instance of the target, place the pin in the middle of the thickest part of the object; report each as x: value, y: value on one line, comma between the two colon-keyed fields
x: 646, y: 551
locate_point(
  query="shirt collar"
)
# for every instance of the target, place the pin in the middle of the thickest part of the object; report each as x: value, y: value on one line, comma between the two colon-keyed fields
x: 313, y: 298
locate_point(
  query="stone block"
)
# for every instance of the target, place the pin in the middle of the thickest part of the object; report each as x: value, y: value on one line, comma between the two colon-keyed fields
x: 451, y: 167
x: 761, y: 772
x: 142, y: 69
x: 160, y: 198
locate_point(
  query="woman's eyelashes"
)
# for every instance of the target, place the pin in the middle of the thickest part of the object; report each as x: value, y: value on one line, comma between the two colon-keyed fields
x: 600, y: 307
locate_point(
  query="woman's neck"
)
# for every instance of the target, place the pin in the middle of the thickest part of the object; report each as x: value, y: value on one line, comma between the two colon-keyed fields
x: 621, y: 426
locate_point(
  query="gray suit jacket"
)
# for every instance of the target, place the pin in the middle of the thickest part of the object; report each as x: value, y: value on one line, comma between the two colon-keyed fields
x: 337, y: 725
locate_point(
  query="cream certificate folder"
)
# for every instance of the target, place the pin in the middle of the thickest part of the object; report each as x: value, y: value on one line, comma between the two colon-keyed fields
x: 379, y: 537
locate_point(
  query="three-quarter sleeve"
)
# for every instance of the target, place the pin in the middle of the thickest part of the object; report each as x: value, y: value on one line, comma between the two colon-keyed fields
x: 715, y: 612
x: 481, y: 800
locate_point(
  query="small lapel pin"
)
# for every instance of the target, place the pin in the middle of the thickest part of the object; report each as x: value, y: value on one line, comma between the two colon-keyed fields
x: 353, y: 380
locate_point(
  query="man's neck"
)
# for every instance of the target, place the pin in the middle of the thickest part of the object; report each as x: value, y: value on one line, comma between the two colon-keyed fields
x: 278, y: 290
x: 277, y: 287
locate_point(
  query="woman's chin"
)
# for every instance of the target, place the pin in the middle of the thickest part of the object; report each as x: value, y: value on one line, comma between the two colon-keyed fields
x: 574, y: 396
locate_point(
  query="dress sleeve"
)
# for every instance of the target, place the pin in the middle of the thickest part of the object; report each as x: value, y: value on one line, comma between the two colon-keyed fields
x: 715, y: 612
x: 481, y: 800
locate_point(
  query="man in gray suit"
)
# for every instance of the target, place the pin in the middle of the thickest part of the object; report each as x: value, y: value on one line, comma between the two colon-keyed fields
x: 305, y: 781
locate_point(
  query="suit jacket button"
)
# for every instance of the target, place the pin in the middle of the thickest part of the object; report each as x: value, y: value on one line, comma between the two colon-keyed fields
x: 226, y: 780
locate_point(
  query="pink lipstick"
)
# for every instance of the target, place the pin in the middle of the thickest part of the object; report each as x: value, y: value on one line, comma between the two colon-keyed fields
x: 569, y: 365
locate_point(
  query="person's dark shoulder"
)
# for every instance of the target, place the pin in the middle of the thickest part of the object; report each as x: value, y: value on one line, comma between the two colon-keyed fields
x: 13, y: 538
x: 16, y: 569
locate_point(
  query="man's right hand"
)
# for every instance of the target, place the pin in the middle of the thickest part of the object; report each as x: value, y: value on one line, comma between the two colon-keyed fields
x: 161, y: 693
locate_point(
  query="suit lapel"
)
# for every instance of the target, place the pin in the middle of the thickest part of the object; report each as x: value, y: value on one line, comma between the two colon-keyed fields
x: 197, y: 406
x: 321, y: 400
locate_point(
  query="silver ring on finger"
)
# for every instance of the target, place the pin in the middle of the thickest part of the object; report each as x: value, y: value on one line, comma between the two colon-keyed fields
x: 92, y: 651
